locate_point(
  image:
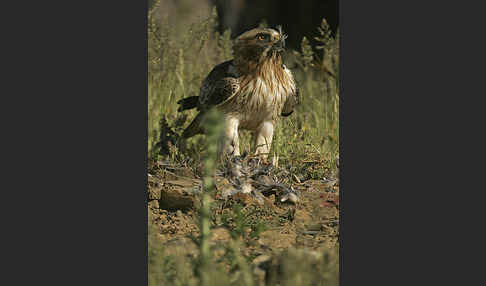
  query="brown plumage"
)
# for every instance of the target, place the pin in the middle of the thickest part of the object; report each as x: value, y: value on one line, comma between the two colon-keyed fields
x: 252, y: 90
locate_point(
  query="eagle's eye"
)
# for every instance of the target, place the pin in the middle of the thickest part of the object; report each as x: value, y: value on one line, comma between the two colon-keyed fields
x: 262, y: 37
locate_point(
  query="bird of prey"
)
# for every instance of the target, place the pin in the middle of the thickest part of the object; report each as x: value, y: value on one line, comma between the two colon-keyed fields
x: 252, y: 91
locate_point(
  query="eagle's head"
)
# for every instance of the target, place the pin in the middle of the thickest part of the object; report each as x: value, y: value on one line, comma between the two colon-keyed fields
x: 259, y: 44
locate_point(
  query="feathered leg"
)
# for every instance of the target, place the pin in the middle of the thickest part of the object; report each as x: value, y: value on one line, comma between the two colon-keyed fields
x: 263, y: 139
x: 232, y: 142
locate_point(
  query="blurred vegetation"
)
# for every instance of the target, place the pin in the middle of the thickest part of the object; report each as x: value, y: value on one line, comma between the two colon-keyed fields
x: 178, y: 62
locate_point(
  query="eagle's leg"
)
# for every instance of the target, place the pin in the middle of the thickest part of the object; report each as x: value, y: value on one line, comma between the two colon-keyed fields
x: 232, y: 142
x: 263, y: 139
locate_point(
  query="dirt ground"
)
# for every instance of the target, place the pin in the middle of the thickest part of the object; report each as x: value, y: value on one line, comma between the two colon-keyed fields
x: 311, y: 223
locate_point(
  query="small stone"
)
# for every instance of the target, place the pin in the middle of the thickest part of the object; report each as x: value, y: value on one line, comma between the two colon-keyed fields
x: 246, y: 188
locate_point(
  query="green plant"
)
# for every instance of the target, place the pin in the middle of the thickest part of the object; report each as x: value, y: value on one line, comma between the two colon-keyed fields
x: 214, y: 127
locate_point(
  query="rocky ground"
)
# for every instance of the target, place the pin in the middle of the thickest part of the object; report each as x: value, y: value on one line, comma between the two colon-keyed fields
x: 251, y: 202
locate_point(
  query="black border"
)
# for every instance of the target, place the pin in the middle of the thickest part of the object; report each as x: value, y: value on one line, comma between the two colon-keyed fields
x: 78, y: 142
x: 76, y: 181
x: 410, y: 92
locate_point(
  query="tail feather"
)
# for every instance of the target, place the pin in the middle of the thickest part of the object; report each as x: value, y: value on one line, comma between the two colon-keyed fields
x: 194, y: 128
x: 188, y: 103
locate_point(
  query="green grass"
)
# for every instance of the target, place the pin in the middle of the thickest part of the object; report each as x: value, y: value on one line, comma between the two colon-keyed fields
x: 178, y: 62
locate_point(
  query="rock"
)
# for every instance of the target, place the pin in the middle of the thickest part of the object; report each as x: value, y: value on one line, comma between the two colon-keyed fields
x: 177, y: 198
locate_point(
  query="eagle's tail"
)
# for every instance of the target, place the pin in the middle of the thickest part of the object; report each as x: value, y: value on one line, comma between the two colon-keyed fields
x: 195, y: 127
x: 188, y: 103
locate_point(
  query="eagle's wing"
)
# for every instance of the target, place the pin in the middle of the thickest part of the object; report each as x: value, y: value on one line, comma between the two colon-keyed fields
x: 291, y: 102
x: 219, y: 86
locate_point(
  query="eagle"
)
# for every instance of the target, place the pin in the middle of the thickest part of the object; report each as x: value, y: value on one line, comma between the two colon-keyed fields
x: 252, y: 91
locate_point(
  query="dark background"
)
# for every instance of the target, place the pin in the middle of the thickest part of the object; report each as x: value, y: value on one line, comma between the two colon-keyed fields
x: 298, y: 18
